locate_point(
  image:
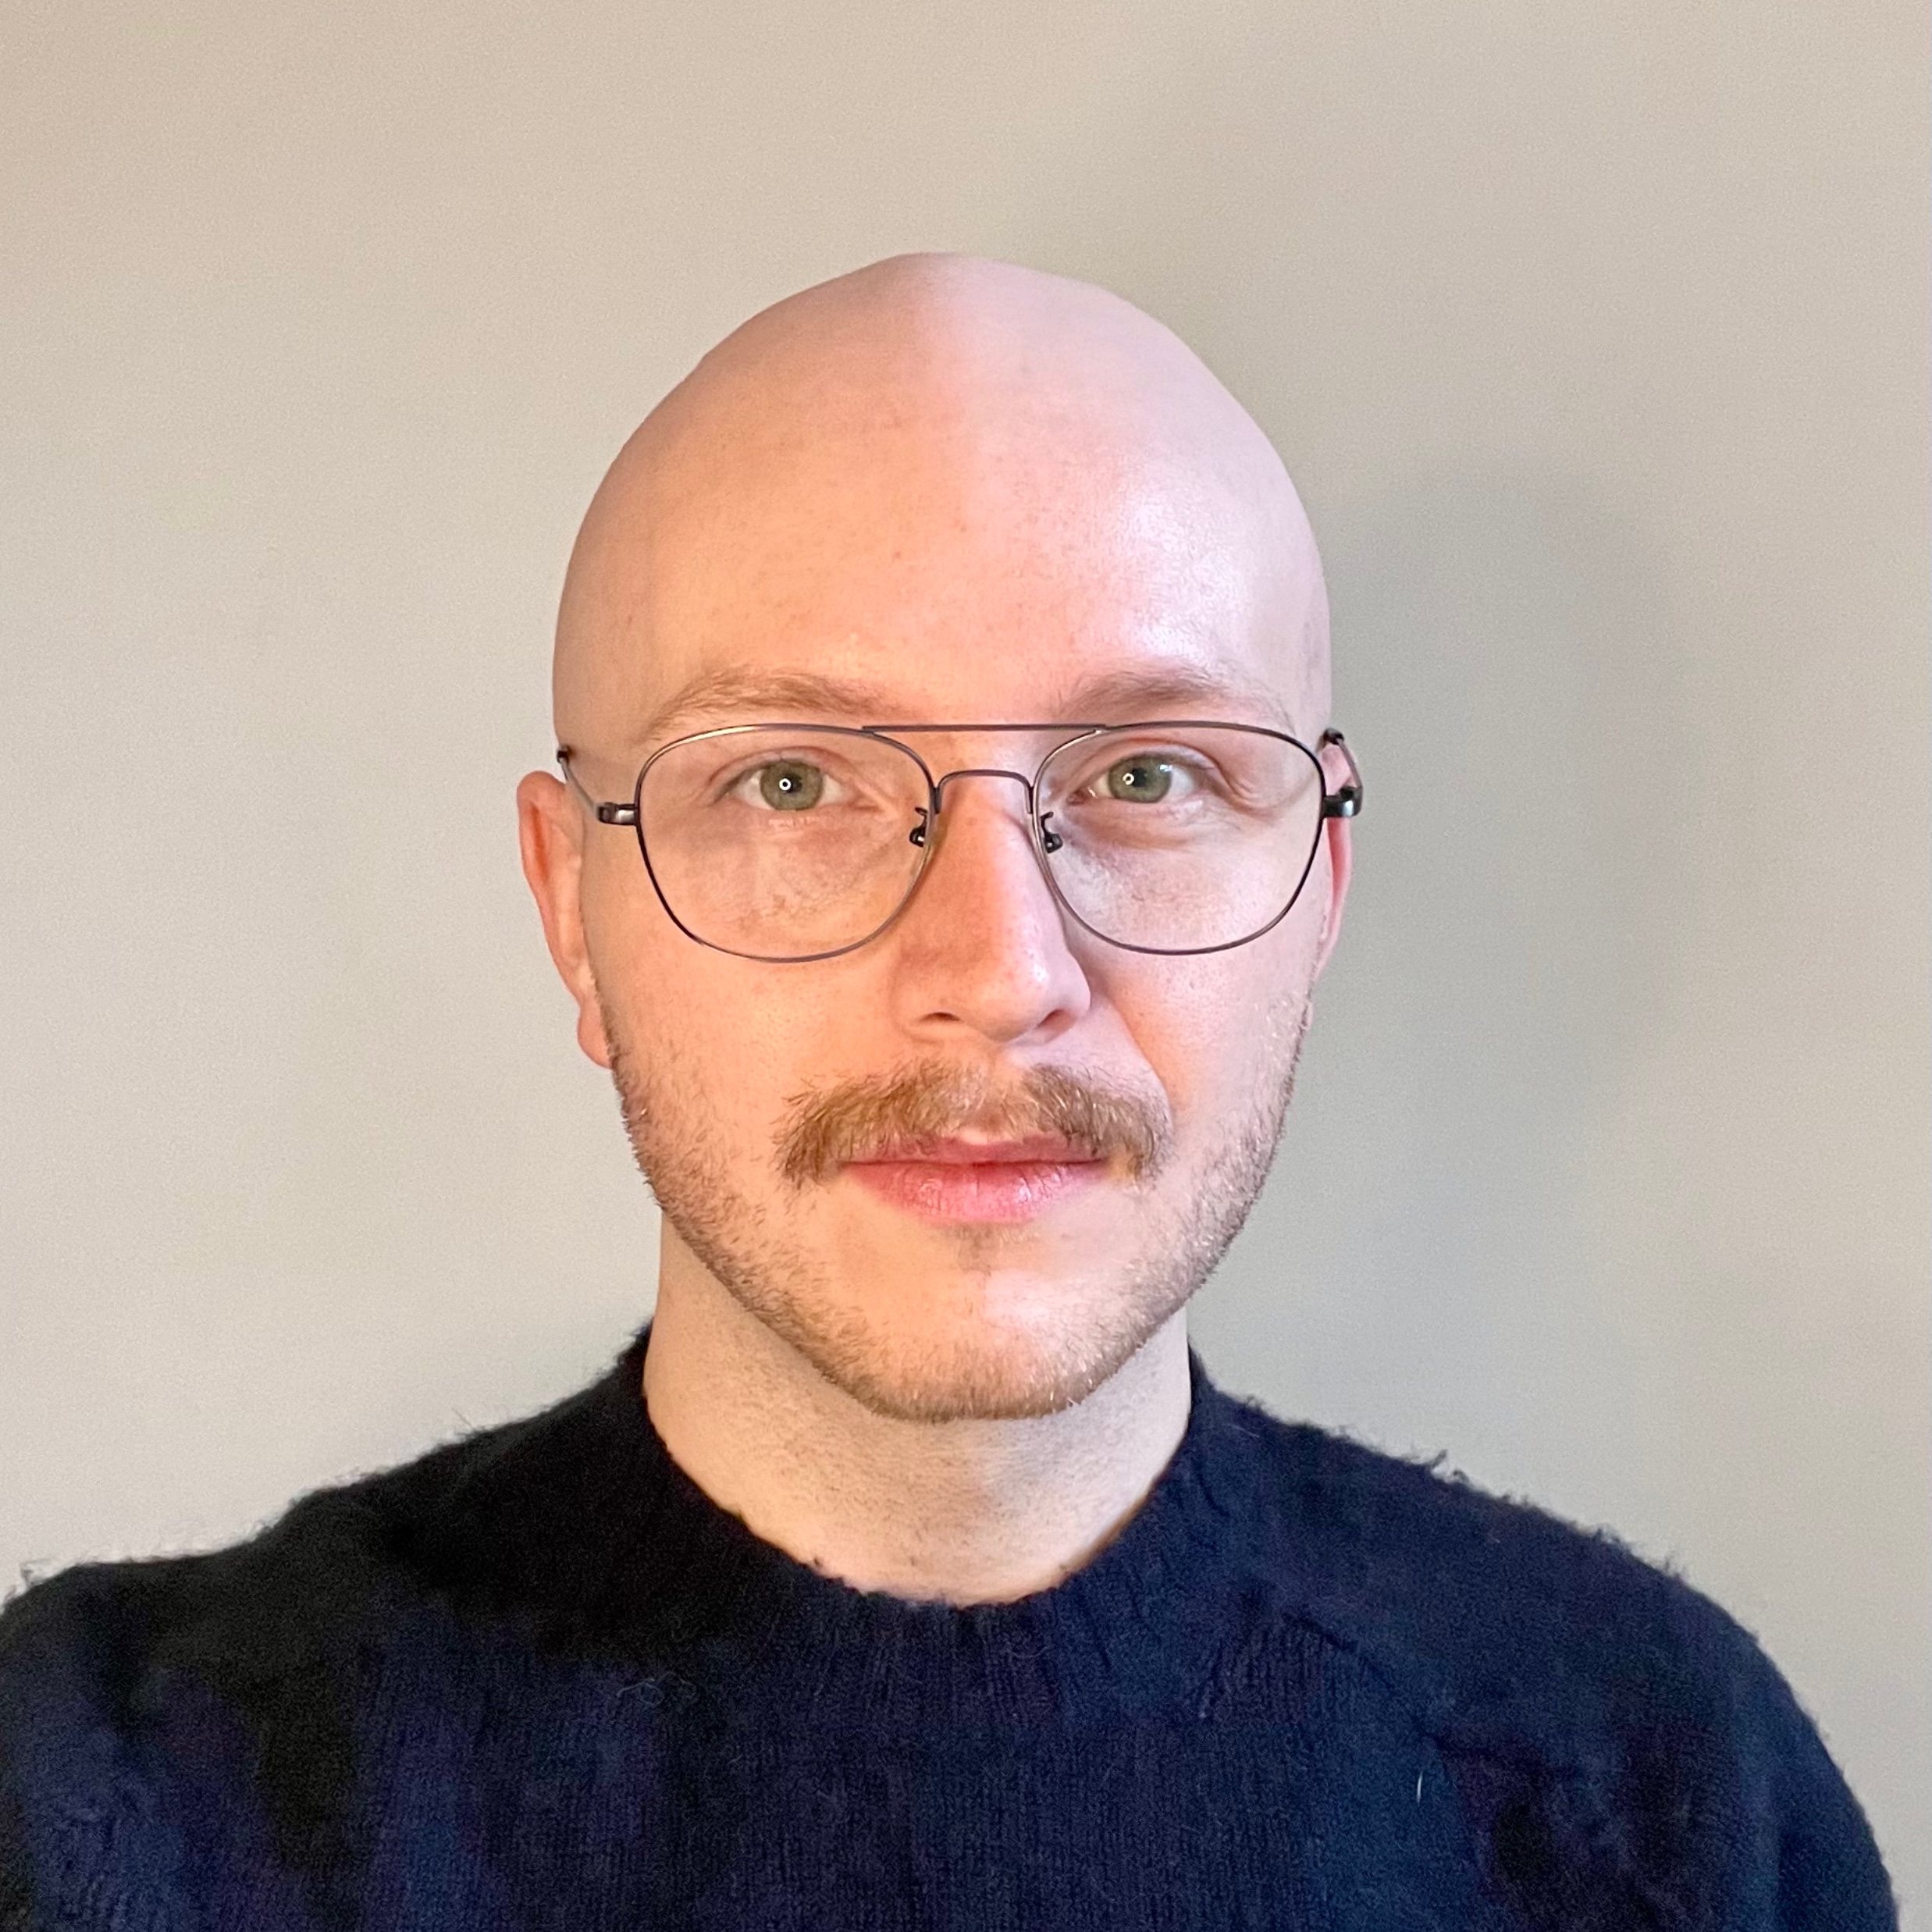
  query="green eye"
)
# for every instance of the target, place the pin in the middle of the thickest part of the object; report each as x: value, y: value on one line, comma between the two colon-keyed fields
x: 790, y: 785
x: 1143, y: 781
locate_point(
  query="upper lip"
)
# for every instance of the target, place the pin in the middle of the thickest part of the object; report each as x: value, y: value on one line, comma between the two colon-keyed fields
x: 951, y: 1152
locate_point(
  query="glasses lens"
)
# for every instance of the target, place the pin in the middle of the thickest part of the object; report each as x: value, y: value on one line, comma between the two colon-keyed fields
x: 1178, y: 838
x: 782, y: 845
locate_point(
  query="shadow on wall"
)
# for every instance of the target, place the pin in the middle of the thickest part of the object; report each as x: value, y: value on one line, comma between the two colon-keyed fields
x: 1421, y: 1268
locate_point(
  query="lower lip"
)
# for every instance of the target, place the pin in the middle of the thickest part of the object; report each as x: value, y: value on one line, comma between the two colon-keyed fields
x: 978, y: 1191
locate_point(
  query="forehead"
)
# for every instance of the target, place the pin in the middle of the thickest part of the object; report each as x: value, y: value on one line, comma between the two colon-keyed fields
x: 941, y: 578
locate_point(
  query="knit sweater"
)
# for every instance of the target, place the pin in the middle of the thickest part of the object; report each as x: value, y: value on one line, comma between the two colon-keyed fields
x: 537, y: 1680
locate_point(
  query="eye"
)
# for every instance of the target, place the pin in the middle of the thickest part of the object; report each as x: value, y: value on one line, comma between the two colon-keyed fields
x: 785, y: 785
x: 1144, y: 778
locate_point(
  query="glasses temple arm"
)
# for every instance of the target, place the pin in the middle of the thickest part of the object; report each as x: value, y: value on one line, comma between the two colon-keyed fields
x: 606, y: 811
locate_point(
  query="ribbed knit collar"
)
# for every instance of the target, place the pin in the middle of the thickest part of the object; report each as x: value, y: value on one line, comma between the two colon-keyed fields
x: 598, y: 1539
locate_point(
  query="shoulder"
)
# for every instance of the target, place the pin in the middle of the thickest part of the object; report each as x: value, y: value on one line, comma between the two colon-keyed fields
x: 103, y: 1665
x: 1474, y: 1603
x: 1571, y: 1686
x: 316, y: 1575
x: 122, y: 1684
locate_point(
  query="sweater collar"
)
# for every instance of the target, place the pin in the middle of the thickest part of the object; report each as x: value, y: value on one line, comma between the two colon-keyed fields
x: 578, y: 1524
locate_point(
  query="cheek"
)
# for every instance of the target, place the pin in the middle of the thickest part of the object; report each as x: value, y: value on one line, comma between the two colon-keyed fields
x: 1220, y: 1028
x: 731, y: 1039
x: 657, y: 987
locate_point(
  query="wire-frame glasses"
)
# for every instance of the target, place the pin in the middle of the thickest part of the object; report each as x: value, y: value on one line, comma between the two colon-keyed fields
x: 794, y: 842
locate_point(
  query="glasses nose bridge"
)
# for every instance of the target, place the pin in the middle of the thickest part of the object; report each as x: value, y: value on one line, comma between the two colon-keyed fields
x: 1020, y: 778
x: 1041, y: 836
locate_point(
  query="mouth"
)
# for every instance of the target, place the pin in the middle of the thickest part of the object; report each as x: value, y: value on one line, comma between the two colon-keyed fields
x: 957, y: 1180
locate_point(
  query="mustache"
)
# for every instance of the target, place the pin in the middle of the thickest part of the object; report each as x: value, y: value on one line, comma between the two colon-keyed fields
x: 859, y: 1118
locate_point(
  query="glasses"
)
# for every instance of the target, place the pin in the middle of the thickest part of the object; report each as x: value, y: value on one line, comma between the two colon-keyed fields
x: 795, y: 842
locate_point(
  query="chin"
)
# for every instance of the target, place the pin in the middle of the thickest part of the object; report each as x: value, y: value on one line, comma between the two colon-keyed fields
x: 1033, y: 1351
x: 967, y: 1324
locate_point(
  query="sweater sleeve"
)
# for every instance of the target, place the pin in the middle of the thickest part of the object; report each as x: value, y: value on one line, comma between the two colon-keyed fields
x: 84, y: 1838
x: 1829, y: 1876
x: 16, y: 1899
x: 1690, y: 1792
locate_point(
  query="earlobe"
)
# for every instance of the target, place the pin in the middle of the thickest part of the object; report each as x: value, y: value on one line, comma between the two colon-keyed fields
x: 591, y: 1036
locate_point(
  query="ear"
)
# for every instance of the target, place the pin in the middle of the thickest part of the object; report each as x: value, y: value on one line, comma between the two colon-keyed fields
x: 550, y: 833
x: 1337, y: 842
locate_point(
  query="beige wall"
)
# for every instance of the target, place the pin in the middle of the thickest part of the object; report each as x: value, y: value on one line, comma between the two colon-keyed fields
x: 1596, y: 336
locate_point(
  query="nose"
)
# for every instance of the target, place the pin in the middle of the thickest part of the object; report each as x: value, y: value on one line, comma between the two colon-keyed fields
x: 983, y: 949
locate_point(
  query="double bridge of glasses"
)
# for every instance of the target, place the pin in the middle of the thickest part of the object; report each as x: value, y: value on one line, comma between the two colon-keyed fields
x: 774, y: 841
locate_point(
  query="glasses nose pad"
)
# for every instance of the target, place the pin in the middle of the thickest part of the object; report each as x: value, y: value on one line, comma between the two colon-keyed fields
x: 1050, y: 840
x: 922, y: 827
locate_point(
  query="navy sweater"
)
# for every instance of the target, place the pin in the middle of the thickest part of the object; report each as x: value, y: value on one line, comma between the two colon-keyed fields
x: 537, y: 1680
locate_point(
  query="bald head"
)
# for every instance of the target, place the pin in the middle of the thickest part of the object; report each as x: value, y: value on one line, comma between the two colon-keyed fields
x: 951, y: 481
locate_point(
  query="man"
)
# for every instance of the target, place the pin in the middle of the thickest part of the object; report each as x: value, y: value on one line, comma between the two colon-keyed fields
x: 951, y: 833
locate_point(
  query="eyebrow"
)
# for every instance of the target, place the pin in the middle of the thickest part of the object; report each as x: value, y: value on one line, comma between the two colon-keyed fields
x: 1121, y: 696
x: 779, y: 695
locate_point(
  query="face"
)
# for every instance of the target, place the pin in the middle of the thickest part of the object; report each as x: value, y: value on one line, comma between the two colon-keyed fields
x: 968, y: 1168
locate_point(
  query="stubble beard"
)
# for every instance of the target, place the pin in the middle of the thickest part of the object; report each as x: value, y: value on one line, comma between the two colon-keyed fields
x: 779, y: 1282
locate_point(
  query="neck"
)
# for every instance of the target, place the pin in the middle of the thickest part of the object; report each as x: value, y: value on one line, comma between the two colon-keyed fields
x: 964, y: 1512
